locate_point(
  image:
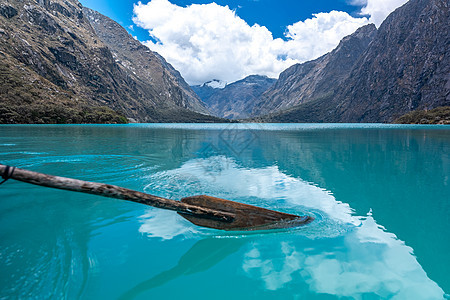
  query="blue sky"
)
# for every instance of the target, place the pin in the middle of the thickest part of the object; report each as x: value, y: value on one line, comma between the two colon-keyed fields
x: 230, y: 39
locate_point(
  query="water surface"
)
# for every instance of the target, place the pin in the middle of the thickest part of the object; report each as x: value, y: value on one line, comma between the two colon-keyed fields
x: 379, y: 194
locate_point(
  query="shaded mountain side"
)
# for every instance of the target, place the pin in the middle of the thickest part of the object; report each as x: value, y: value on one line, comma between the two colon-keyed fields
x: 314, y: 111
x: 406, y: 67
x: 235, y: 100
x: 317, y: 78
x: 55, y: 64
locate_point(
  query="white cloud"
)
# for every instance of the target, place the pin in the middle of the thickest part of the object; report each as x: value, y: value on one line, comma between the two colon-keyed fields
x: 316, y: 36
x: 378, y: 10
x: 210, y: 41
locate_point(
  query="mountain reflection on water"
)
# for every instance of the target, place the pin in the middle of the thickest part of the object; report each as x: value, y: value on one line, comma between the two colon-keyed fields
x: 342, y: 254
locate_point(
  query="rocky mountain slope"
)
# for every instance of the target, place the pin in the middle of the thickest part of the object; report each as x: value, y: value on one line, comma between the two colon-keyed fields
x: 235, y: 100
x: 149, y: 67
x: 318, y: 78
x: 406, y: 67
x: 55, y: 68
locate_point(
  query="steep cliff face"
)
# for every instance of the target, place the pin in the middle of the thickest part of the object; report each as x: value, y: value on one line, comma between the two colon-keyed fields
x: 236, y: 100
x: 406, y: 67
x: 54, y: 64
x: 318, y: 78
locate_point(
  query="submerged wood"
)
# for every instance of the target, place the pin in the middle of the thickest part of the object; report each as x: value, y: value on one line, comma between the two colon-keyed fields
x: 201, y: 210
x: 247, y: 217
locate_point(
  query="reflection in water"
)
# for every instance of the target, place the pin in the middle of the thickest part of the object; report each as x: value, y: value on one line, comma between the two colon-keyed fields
x: 202, y: 256
x: 165, y: 224
x: 367, y: 260
x: 274, y: 273
x: 338, y: 254
x: 67, y: 245
x: 397, y: 173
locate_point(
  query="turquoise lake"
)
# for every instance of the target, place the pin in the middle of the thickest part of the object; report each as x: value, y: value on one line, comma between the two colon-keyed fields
x: 380, y: 195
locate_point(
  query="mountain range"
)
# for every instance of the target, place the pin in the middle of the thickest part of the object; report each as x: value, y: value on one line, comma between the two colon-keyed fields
x: 235, y: 100
x: 65, y: 63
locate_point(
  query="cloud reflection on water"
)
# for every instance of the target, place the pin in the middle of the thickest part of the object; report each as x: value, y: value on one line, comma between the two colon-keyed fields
x: 339, y: 254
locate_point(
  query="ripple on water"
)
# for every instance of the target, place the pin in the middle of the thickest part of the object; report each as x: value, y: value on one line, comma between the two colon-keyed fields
x: 266, y: 187
x: 53, y: 264
x: 114, y: 168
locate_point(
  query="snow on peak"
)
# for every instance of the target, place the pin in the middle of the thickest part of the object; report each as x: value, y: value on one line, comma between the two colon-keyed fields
x: 216, y: 84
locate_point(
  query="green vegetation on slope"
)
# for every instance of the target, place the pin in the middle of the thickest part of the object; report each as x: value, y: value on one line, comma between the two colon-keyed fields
x: 439, y: 115
x: 26, y: 99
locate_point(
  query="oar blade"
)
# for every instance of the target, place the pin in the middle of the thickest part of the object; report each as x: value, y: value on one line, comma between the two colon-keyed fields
x: 247, y: 217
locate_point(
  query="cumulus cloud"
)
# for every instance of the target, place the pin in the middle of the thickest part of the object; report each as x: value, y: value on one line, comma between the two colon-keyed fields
x: 207, y: 41
x: 378, y: 10
x: 210, y: 41
x: 316, y: 36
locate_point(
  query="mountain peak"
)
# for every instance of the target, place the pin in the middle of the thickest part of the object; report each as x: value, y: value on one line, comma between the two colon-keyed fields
x: 215, y: 84
x: 364, y: 31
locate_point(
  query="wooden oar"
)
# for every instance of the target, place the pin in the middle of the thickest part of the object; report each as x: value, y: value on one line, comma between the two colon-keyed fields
x: 201, y: 210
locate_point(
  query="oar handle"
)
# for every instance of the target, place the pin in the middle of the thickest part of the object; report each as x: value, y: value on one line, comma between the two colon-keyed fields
x: 110, y: 191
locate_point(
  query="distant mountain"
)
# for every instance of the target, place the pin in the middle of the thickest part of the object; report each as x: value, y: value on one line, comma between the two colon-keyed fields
x: 406, y: 67
x: 207, y: 89
x: 317, y: 78
x: 235, y: 100
x: 62, y: 63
